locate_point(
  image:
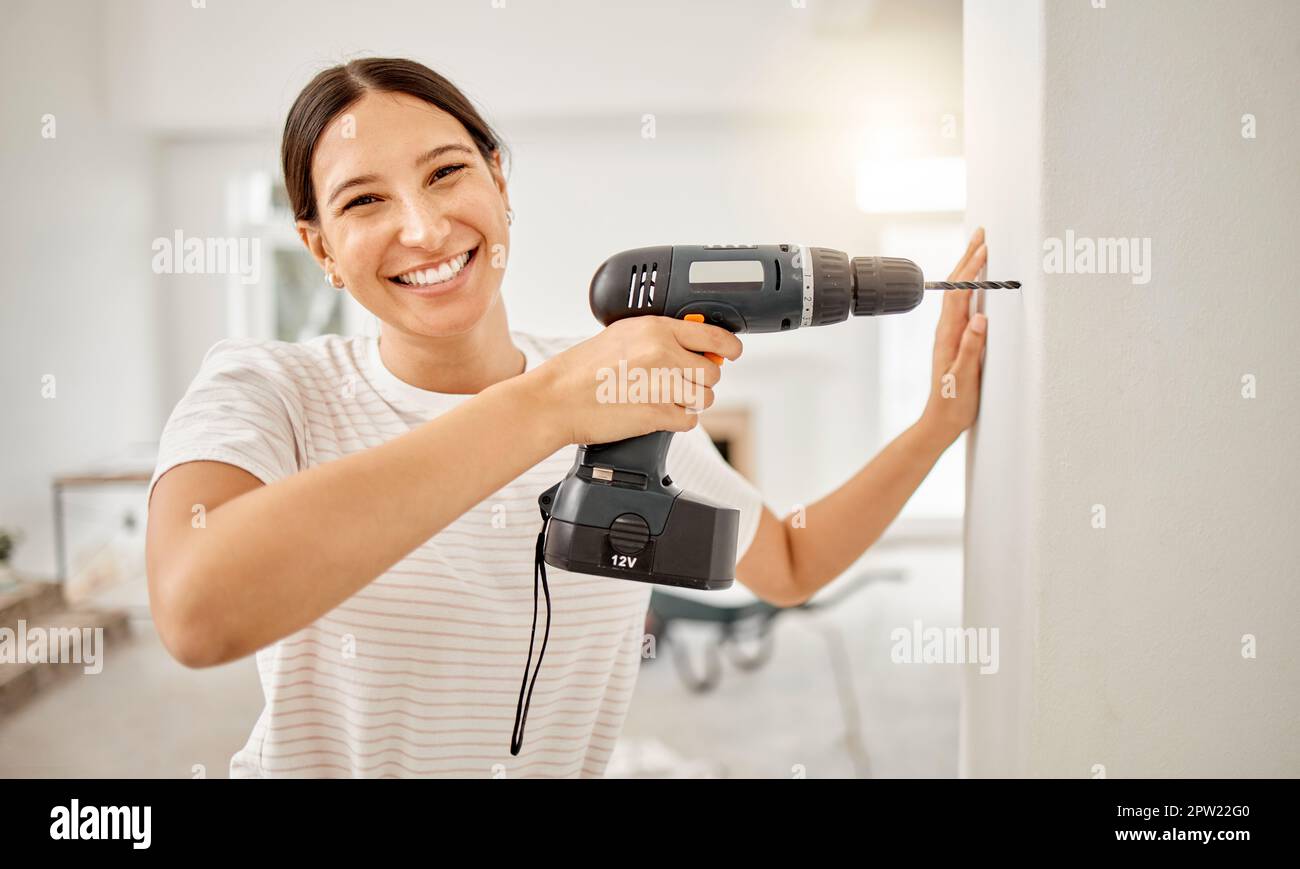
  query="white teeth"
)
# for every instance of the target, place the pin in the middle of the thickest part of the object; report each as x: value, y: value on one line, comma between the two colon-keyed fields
x: 444, y: 272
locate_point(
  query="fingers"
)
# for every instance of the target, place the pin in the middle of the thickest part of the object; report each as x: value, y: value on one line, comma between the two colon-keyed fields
x: 972, y: 344
x: 674, y: 417
x: 705, y: 338
x: 697, y: 400
x: 976, y: 241
x: 971, y: 270
x: 952, y: 320
x: 952, y: 324
x: 687, y: 382
x: 698, y: 368
x: 689, y: 387
x: 956, y: 303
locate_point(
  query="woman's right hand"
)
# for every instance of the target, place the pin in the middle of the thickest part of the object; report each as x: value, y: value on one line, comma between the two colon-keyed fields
x: 582, y: 390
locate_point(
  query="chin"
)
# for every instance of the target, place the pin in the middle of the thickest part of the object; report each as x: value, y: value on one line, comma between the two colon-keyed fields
x: 446, y: 317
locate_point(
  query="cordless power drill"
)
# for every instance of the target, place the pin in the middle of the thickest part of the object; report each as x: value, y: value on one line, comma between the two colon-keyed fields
x: 618, y: 513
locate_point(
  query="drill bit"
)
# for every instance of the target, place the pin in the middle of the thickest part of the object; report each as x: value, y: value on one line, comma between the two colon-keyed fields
x: 972, y: 285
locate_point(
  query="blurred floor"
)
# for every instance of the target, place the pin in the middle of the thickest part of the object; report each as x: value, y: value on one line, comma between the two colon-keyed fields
x: 786, y: 719
x: 147, y: 716
x: 144, y: 716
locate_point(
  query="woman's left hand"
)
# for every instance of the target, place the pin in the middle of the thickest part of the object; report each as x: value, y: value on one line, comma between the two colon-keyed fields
x: 958, y: 349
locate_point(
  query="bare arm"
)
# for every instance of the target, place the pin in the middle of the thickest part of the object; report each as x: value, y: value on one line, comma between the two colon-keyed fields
x: 787, y: 563
x: 271, y: 559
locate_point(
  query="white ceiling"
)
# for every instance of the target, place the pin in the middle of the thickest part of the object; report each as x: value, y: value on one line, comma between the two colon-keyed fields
x: 237, y: 64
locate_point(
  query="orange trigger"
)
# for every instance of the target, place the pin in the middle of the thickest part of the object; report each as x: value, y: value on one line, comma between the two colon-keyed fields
x: 712, y: 357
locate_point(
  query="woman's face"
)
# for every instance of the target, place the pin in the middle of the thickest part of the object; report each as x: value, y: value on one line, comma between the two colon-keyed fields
x: 402, y: 196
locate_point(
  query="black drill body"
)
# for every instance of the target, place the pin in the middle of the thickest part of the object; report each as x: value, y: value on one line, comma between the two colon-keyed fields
x: 752, y: 288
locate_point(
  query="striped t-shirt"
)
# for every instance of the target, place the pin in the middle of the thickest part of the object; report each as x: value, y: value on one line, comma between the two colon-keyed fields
x: 418, y: 673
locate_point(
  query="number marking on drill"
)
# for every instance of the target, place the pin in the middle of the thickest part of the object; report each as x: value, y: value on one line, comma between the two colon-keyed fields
x: 803, y: 262
x: 624, y: 561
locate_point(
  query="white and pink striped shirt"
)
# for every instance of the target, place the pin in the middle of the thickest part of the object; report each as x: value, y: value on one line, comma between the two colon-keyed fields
x: 418, y: 674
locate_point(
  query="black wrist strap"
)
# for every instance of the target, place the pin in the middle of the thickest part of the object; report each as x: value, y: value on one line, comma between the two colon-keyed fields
x: 521, y: 710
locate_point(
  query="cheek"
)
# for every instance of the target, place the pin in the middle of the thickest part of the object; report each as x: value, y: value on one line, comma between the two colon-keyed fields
x: 479, y: 207
x: 358, y: 249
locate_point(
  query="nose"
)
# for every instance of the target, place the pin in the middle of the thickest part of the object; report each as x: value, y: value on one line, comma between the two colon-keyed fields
x: 423, y: 223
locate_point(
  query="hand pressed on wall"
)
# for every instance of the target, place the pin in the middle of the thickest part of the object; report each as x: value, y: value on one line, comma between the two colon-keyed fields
x: 958, y: 351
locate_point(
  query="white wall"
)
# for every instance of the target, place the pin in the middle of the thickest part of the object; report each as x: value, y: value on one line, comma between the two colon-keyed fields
x: 1003, y: 150
x: 1121, y: 646
x: 78, y: 294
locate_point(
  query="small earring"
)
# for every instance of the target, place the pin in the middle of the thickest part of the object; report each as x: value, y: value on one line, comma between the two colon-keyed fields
x: 329, y: 279
x: 510, y: 216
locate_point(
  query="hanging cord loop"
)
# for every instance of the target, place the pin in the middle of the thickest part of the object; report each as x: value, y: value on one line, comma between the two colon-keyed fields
x: 539, y: 571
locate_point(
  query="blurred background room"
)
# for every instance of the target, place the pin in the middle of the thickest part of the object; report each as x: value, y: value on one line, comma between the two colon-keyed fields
x: 629, y: 124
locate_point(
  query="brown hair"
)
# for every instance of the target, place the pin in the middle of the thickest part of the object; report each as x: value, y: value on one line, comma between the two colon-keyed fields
x: 338, y: 87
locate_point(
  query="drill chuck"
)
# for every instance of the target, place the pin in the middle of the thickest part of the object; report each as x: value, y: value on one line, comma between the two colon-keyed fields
x: 885, y: 285
x: 865, y: 286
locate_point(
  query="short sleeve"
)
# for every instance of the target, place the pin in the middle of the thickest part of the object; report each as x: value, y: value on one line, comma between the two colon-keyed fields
x: 241, y: 409
x: 695, y: 464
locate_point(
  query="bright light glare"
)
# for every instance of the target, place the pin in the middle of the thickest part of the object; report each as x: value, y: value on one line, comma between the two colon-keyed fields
x: 911, y: 186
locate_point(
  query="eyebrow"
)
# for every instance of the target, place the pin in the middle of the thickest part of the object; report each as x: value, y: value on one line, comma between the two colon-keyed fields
x: 427, y: 156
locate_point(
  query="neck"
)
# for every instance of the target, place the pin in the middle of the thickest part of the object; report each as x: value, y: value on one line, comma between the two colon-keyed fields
x: 457, y: 364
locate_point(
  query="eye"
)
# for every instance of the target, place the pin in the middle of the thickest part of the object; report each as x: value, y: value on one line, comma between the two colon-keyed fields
x: 439, y: 175
x: 367, y: 198
x: 360, y: 200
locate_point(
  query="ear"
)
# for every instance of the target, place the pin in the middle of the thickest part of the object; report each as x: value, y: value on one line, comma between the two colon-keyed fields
x: 499, y: 176
x: 314, y: 241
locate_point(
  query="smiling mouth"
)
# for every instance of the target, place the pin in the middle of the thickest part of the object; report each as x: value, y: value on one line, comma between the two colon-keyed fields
x: 433, y: 277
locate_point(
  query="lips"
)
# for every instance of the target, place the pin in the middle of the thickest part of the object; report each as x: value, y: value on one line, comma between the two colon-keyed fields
x: 430, y: 282
x: 437, y: 274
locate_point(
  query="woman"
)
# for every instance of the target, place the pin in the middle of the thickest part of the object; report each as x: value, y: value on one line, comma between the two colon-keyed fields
x: 362, y: 513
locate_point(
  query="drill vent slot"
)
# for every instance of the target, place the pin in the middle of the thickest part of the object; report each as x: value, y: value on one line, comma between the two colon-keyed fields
x: 641, y: 292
